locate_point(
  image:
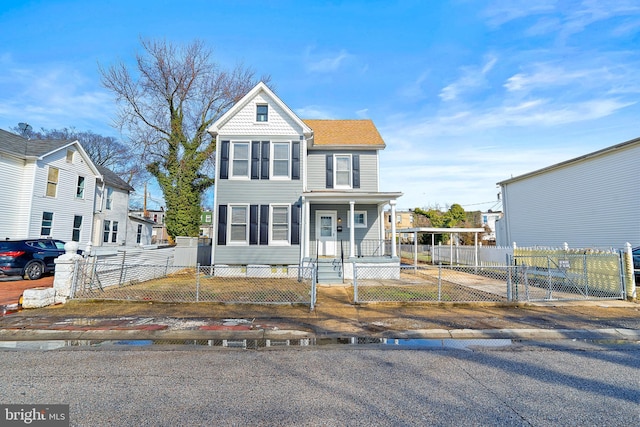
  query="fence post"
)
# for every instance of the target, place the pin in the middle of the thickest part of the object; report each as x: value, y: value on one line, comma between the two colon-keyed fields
x: 124, y: 256
x: 631, y: 289
x: 313, y: 287
x: 355, y: 283
x: 439, y: 282
x: 198, y: 282
x: 509, y: 283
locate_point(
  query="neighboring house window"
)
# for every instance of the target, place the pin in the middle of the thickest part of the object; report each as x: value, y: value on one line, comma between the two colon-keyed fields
x: 52, y: 181
x: 109, y: 202
x: 139, y: 234
x: 343, y: 171
x: 238, y: 225
x: 280, y: 168
x: 399, y: 219
x: 106, y: 230
x: 262, y: 113
x: 359, y: 218
x: 207, y: 218
x: 279, y: 224
x: 70, y: 156
x: 77, y: 225
x: 47, y: 221
x: 485, y: 219
x: 240, y: 158
x: 80, y: 188
x: 411, y: 219
x: 155, y: 217
x: 114, y: 232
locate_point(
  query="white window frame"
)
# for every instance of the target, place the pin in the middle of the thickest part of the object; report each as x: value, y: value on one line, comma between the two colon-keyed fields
x: 49, y: 226
x: 358, y: 225
x: 272, y: 241
x: 272, y: 160
x: 108, y: 198
x: 232, y: 159
x: 262, y: 104
x: 52, y: 184
x: 230, y: 224
x: 75, y: 229
x: 335, y: 172
x: 80, y: 189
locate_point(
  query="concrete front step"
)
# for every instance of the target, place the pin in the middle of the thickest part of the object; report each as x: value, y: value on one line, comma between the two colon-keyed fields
x: 329, y: 271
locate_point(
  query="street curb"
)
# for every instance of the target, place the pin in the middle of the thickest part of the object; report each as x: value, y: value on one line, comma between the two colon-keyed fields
x: 459, y: 334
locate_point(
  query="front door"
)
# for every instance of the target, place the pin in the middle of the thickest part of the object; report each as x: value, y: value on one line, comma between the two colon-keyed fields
x: 326, y: 232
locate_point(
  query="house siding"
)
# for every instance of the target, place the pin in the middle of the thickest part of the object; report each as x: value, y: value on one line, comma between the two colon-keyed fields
x: 371, y: 232
x: 65, y: 205
x: 590, y: 203
x: 244, y: 122
x: 14, y: 216
x: 316, y: 167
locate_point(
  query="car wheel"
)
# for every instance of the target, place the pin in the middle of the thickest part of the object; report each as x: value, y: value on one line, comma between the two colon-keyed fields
x: 34, y: 270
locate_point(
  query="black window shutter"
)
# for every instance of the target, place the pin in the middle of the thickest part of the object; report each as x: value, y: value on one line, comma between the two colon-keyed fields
x: 255, y: 159
x: 224, y: 160
x: 355, y: 159
x: 295, y: 160
x: 264, y: 224
x: 264, y: 164
x: 222, y: 225
x: 295, y: 225
x: 253, y: 224
x: 329, y: 170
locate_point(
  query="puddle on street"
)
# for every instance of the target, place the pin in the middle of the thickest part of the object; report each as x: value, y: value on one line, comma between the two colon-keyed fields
x: 255, y: 344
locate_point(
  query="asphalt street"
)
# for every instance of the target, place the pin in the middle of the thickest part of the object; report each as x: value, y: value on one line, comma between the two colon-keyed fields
x: 539, y: 384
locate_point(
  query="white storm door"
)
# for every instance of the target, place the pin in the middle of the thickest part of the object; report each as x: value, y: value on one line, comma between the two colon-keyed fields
x: 326, y: 232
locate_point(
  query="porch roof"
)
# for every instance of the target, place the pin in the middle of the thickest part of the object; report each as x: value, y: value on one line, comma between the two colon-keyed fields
x: 346, y: 196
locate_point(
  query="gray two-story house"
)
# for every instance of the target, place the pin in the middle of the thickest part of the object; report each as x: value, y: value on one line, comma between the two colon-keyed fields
x: 291, y: 191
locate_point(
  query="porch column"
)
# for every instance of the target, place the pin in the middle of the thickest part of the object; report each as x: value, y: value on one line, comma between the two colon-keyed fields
x: 381, y: 230
x: 393, y: 228
x: 307, y: 226
x: 352, y: 229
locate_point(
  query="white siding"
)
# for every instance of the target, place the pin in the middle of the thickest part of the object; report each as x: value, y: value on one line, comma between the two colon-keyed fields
x: 593, y: 202
x: 65, y: 205
x: 119, y: 212
x: 15, y: 193
x: 244, y: 122
x: 316, y: 167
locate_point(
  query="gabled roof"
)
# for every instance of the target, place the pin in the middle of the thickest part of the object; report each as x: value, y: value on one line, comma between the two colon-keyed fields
x: 588, y: 156
x: 24, y: 148
x: 110, y: 178
x: 260, y: 87
x: 345, y: 133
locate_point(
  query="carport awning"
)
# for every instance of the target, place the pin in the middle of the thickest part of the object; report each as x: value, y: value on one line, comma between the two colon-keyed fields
x: 436, y: 230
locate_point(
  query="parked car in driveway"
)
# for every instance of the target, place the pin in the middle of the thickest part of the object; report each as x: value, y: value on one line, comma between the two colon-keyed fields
x: 29, y: 257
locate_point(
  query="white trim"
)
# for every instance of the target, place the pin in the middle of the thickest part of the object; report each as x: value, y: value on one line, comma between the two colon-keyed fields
x: 358, y: 225
x: 273, y: 242
x: 230, y: 223
x: 232, y: 149
x: 272, y: 160
x: 335, y: 172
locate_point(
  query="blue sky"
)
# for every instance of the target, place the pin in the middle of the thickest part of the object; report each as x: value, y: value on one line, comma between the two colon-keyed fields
x: 466, y: 93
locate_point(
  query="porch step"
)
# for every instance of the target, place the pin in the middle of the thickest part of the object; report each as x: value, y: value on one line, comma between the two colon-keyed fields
x: 329, y: 271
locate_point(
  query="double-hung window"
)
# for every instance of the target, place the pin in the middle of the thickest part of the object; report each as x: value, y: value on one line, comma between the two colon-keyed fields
x: 343, y: 171
x: 279, y: 224
x: 280, y: 156
x: 77, y: 225
x: 47, y: 222
x: 80, y: 188
x: 238, y: 224
x: 240, y: 160
x: 52, y: 181
x: 106, y: 230
x: 359, y: 218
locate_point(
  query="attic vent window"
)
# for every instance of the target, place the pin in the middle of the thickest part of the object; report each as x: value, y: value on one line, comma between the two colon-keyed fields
x: 262, y: 112
x: 69, y: 156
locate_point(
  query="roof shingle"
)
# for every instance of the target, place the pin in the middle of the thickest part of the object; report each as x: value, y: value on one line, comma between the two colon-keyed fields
x: 359, y: 133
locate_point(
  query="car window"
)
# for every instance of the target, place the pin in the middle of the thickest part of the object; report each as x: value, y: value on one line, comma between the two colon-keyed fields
x: 37, y: 244
x: 59, y: 244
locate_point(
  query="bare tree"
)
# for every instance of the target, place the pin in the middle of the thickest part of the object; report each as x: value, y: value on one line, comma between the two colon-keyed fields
x: 176, y: 93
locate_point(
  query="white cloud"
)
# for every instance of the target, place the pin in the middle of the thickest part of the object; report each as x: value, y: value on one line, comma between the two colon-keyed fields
x: 326, y: 63
x: 472, y: 77
x: 314, y: 112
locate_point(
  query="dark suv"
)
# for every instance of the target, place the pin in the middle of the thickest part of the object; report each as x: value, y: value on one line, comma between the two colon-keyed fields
x: 30, y: 257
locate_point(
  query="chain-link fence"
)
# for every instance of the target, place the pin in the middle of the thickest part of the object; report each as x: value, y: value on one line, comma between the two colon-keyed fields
x: 593, y: 279
x: 165, y: 283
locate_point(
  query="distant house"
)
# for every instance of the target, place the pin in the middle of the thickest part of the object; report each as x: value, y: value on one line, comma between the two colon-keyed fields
x: 290, y: 190
x: 206, y: 224
x: 404, y: 219
x: 49, y: 189
x: 591, y: 201
x: 489, y: 219
x: 159, y: 234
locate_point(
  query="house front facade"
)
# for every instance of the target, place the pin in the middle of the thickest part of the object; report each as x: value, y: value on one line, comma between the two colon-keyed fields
x: 49, y: 191
x: 289, y: 191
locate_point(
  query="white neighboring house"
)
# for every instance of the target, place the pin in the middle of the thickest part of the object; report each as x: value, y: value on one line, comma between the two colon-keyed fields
x: 49, y: 189
x: 113, y: 224
x: 592, y: 201
x: 489, y: 219
x: 53, y: 189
